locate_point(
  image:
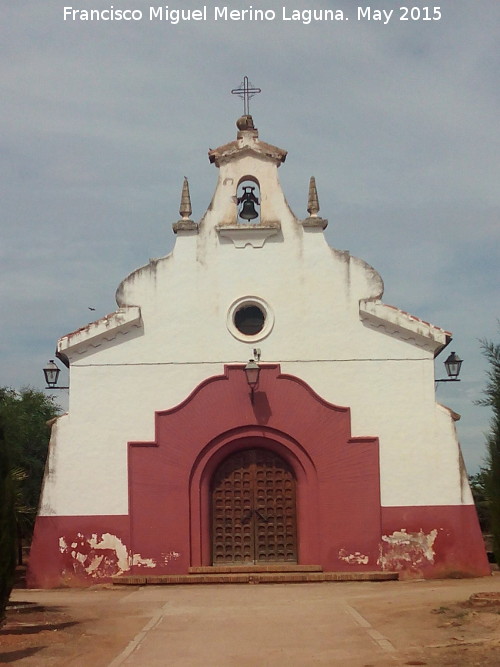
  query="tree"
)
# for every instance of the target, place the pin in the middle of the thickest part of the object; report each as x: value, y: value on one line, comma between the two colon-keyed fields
x: 478, y: 485
x: 24, y: 514
x: 7, y: 527
x: 24, y: 415
x: 491, y: 398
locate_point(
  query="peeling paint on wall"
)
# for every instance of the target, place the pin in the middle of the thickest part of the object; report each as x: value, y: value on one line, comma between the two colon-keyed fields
x: 94, y: 556
x: 137, y: 559
x: 356, y: 558
x: 172, y: 555
x: 403, y: 550
x: 103, y: 556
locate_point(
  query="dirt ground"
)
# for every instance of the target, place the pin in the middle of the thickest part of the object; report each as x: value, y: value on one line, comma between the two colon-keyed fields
x: 447, y: 622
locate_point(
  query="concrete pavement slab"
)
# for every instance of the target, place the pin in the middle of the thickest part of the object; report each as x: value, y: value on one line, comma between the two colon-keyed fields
x: 349, y: 624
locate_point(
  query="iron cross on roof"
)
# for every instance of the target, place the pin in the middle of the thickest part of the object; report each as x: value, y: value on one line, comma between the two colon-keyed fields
x: 246, y: 91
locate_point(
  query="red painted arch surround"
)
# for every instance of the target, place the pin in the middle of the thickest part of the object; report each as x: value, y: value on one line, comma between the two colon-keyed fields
x: 338, y: 493
x: 246, y: 438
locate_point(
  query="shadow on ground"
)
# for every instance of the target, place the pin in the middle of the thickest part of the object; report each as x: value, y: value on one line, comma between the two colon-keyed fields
x: 14, y: 656
x: 33, y: 628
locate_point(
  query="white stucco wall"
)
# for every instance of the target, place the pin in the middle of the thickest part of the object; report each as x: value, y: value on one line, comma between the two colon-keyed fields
x: 171, y: 333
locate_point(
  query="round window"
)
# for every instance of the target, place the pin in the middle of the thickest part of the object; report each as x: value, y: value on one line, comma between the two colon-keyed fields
x: 249, y: 319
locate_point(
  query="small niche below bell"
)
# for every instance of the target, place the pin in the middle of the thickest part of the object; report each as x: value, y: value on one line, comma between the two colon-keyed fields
x: 248, y: 200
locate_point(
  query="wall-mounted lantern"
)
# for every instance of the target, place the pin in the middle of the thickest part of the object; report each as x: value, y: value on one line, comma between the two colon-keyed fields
x: 51, y: 373
x: 252, y: 371
x: 453, y: 365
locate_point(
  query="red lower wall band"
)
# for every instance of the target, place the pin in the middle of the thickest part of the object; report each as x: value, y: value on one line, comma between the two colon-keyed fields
x: 430, y: 542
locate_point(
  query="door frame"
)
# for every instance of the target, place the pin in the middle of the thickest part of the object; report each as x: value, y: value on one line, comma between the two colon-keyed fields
x: 306, y: 489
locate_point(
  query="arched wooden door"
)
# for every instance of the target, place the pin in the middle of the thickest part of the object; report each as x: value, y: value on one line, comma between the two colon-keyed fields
x: 253, y: 509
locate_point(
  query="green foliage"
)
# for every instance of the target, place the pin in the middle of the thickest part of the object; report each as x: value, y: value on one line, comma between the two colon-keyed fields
x: 24, y: 513
x: 24, y: 415
x: 7, y: 527
x: 478, y: 484
x: 491, y: 398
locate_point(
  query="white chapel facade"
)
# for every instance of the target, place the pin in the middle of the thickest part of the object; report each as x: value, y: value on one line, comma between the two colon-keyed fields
x: 339, y: 457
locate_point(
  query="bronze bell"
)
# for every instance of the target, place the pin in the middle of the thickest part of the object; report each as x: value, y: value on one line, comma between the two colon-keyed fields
x: 248, y: 211
x: 248, y: 199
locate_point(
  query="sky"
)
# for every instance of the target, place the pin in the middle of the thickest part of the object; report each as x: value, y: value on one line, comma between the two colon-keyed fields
x: 398, y: 121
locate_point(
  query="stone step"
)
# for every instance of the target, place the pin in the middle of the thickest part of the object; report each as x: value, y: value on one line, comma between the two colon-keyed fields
x: 252, y: 578
x: 262, y: 567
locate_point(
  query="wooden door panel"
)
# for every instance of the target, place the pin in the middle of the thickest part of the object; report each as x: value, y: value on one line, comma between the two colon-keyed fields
x: 253, y: 509
x: 232, y: 502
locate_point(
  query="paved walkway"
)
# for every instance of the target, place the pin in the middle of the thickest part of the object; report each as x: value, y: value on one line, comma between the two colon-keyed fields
x: 349, y: 624
x: 253, y: 625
